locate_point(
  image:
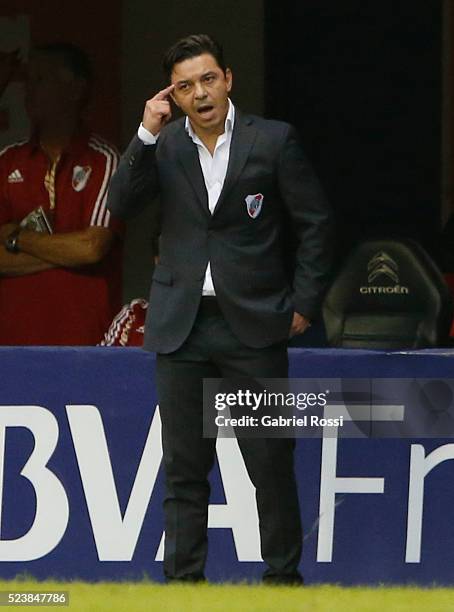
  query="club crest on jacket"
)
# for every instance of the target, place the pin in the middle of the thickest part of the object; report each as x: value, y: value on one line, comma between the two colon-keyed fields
x: 254, y: 204
x: 81, y: 175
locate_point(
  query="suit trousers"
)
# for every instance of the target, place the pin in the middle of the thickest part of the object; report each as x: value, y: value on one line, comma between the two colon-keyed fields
x: 213, y: 351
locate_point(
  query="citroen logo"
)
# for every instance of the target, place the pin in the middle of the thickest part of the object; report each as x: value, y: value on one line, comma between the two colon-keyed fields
x: 382, y: 263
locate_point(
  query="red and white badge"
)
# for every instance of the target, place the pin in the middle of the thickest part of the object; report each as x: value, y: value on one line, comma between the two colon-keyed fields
x: 254, y: 204
x: 81, y: 174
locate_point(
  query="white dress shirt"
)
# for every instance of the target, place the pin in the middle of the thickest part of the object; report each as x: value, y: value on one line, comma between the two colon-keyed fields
x: 214, y: 168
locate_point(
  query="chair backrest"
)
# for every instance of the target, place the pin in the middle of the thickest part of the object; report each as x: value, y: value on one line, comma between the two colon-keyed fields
x: 388, y: 295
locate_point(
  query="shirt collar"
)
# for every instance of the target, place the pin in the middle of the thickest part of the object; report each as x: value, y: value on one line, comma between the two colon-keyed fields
x: 78, y: 142
x: 228, y: 126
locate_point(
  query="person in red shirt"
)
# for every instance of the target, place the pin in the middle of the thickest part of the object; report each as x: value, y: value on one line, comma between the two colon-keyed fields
x: 60, y: 288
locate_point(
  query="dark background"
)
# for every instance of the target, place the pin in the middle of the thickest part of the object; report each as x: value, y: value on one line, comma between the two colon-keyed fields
x: 362, y: 82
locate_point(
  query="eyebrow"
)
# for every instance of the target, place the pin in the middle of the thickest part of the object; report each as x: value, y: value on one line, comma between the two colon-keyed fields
x: 204, y: 75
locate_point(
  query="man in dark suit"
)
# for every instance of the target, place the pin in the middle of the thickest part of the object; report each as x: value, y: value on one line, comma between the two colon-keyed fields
x: 222, y: 302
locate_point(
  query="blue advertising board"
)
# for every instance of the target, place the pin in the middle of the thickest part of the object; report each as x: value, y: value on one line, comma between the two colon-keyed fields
x: 82, y: 489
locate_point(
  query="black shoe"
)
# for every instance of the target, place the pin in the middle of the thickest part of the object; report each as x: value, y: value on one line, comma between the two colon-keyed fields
x: 283, y: 579
x: 186, y: 579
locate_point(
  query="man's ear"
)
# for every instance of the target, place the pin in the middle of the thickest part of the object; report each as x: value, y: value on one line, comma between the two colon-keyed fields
x: 229, y: 78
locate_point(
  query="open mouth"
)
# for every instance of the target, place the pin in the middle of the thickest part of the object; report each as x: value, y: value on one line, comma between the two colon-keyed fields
x: 205, y: 109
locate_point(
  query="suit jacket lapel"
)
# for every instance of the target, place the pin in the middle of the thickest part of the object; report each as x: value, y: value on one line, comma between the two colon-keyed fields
x: 243, y: 137
x: 189, y: 158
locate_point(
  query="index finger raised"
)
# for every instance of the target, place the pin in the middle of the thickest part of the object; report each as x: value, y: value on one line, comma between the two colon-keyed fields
x: 162, y: 95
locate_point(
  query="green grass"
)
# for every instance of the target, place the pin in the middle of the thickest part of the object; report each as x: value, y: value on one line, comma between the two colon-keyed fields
x: 150, y: 597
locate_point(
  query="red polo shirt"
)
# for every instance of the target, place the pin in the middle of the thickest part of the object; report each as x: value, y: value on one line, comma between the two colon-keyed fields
x: 66, y: 306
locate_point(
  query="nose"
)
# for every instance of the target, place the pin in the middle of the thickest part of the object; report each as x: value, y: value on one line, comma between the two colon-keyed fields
x: 200, y: 92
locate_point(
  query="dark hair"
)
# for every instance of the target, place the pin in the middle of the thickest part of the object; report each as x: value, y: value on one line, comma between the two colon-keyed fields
x: 192, y: 46
x: 73, y: 57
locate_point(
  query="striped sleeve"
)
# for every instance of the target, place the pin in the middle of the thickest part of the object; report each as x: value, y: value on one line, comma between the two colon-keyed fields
x: 127, y: 325
x: 100, y: 215
x: 112, y: 335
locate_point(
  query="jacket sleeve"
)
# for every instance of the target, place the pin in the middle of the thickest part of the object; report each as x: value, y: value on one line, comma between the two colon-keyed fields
x: 312, y: 222
x: 136, y: 182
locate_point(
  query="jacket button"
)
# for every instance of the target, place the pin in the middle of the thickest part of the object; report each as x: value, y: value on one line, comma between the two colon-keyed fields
x: 132, y: 159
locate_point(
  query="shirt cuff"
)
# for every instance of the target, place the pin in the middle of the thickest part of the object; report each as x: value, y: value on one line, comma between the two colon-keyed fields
x: 145, y: 136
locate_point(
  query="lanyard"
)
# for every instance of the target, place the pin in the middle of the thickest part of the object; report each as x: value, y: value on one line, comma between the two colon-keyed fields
x: 49, y: 182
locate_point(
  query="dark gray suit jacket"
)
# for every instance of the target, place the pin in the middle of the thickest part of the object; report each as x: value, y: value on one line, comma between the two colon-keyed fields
x: 248, y: 254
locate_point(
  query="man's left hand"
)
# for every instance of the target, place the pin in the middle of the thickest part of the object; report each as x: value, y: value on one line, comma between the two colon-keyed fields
x: 299, y: 324
x: 5, y: 231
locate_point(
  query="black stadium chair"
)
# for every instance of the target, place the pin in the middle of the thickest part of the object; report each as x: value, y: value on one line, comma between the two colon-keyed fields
x: 388, y: 295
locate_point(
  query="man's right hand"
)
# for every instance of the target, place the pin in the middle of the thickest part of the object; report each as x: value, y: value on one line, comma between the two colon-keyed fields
x: 157, y: 111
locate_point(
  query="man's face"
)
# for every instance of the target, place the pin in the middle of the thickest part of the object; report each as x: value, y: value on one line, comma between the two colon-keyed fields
x: 50, y: 89
x: 201, y: 91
